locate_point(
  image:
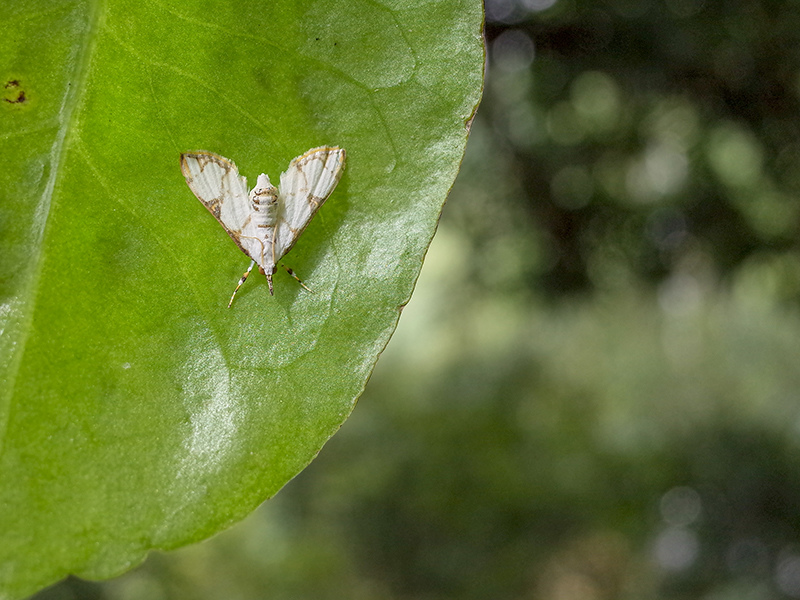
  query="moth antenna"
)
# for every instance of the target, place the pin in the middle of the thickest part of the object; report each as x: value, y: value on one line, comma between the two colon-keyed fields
x: 300, y: 281
x: 241, y: 281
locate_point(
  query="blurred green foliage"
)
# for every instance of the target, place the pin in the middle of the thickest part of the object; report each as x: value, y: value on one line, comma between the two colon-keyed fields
x: 639, y: 135
x: 594, y: 392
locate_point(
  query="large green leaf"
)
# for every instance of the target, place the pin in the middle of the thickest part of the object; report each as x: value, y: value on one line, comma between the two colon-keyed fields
x: 137, y: 411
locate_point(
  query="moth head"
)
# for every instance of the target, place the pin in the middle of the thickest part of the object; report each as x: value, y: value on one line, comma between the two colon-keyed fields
x: 264, y: 192
x: 269, y: 275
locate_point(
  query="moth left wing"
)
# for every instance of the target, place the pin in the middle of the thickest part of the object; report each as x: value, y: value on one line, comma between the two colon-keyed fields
x: 305, y: 186
x: 216, y: 182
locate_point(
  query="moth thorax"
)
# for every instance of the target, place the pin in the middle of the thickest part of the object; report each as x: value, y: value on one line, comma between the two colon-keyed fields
x: 264, y: 197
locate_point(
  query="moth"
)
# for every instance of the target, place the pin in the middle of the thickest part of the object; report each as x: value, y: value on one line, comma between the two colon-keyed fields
x: 267, y: 222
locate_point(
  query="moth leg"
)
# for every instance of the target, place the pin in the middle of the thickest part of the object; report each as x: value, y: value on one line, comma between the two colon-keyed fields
x: 241, y: 281
x: 300, y: 281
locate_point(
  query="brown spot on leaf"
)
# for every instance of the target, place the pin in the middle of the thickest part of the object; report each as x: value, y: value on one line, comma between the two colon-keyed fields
x: 20, y: 97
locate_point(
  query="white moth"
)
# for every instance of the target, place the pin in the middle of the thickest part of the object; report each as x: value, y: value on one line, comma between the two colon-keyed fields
x: 265, y: 223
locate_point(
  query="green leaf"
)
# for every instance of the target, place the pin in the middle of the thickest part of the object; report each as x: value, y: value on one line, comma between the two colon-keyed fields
x: 137, y: 411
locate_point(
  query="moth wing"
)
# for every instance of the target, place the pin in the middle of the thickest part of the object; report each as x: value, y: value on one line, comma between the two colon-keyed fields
x: 305, y: 186
x: 216, y: 182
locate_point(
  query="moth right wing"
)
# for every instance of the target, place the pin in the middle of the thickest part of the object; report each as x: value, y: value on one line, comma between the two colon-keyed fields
x: 216, y: 182
x: 305, y: 186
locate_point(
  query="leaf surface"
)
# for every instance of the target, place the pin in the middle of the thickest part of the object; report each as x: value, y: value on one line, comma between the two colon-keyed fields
x: 136, y: 410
